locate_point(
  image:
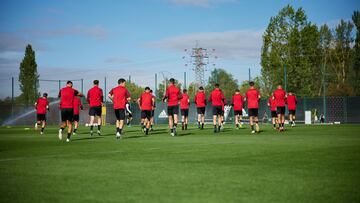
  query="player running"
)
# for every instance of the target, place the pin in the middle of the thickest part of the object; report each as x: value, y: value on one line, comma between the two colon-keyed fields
x: 77, y: 106
x: 252, y: 97
x: 119, y: 95
x: 280, y: 96
x: 237, y: 102
x: 217, y: 99
x: 67, y: 95
x: 128, y: 114
x: 200, y: 102
x: 272, y: 105
x: 41, y: 105
x: 291, y: 102
x: 172, y: 96
x: 95, y: 99
x: 184, y: 107
x: 146, y: 103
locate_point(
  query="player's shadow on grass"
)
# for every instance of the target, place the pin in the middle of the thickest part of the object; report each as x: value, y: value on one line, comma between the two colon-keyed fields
x: 134, y: 136
x: 87, y: 138
x: 184, y: 134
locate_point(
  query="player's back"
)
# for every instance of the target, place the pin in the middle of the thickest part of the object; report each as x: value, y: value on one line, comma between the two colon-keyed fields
x: 272, y: 103
x: 77, y: 104
x: 173, y: 95
x: 95, y: 96
x: 120, y: 95
x: 252, y: 97
x: 184, y: 102
x: 67, y: 95
x: 291, y: 101
x: 146, y: 102
x: 41, y: 105
x: 200, y: 99
x: 216, y: 97
x: 280, y: 96
x: 237, y: 101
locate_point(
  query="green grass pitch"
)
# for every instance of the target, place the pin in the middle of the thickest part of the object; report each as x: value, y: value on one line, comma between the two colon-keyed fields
x: 303, y: 164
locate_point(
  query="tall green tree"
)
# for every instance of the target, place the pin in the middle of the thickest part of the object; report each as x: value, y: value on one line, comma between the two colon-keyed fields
x: 28, y: 77
x: 356, y: 54
x: 226, y: 81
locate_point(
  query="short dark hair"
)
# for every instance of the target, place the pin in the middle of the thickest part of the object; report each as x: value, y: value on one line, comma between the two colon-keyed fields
x: 172, y: 80
x: 45, y: 94
x: 96, y: 82
x: 69, y: 82
x: 121, y: 80
x: 237, y: 90
x: 184, y: 90
x: 201, y: 88
x: 217, y: 85
x: 251, y: 83
x: 151, y: 91
x: 147, y: 88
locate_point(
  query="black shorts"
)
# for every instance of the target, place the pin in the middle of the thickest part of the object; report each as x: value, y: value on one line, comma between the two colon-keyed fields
x: 76, y: 118
x: 152, y: 113
x: 253, y: 112
x: 67, y: 114
x: 280, y: 110
x: 95, y: 111
x: 146, y: 114
x: 201, y: 110
x: 237, y: 113
x: 172, y: 110
x: 41, y: 117
x: 292, y: 112
x: 120, y: 114
x: 185, y: 112
x: 217, y: 110
x: 273, y: 114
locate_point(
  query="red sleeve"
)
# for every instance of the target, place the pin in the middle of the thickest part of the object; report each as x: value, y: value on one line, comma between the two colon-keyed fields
x: 111, y: 92
x: 102, y: 95
x: 88, y: 97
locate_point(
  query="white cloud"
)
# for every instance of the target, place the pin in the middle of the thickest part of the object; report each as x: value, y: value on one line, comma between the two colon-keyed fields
x: 229, y: 44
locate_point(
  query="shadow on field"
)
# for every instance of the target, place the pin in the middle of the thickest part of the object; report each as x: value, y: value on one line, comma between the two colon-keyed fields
x: 134, y: 136
x: 87, y: 138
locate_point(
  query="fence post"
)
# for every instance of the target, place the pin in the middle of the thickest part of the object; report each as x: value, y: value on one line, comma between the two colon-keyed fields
x: 82, y: 85
x: 105, y: 90
x: 345, y: 109
x: 12, y: 96
x: 155, y: 89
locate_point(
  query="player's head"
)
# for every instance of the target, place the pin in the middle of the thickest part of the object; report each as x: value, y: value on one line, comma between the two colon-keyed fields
x: 69, y: 84
x: 121, y: 81
x: 290, y: 93
x: 172, y: 80
x: 147, y: 89
x: 279, y: 87
x: 45, y: 94
x: 151, y: 91
x: 237, y: 91
x: 201, y: 88
x: 96, y: 82
x: 184, y: 90
x: 217, y: 85
x: 252, y: 84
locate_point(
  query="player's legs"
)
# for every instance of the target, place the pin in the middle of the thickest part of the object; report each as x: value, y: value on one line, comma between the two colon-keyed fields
x: 257, y: 128
x: 199, y: 120
x: 202, y: 121
x: 251, y: 118
x: 237, y: 120
x: 92, y: 118
x: 99, y: 120
x: 69, y: 130
x: 240, y: 120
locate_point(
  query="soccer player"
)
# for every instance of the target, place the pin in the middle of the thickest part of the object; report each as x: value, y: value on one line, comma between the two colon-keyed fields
x: 128, y: 114
x: 184, y: 107
x: 77, y: 106
x: 172, y: 96
x: 41, y: 105
x: 272, y: 105
x: 237, y: 102
x: 280, y: 96
x: 146, y: 102
x: 119, y: 95
x: 200, y: 102
x: 95, y: 99
x: 67, y: 95
x: 291, y: 102
x: 252, y: 97
x: 217, y: 99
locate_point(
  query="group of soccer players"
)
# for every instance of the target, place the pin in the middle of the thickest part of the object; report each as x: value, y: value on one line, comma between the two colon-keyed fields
x: 70, y: 104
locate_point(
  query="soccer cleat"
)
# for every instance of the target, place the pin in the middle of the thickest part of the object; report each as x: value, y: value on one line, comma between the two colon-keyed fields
x: 67, y: 140
x: 41, y: 133
x: 172, y: 134
x: 118, y: 135
x: 253, y: 132
x: 60, y: 134
x: 91, y: 133
x: 36, y: 126
x: 99, y: 133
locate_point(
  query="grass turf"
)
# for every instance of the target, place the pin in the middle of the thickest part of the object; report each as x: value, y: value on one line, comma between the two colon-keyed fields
x: 303, y: 164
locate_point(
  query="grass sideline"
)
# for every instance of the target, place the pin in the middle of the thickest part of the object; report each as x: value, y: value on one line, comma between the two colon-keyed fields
x: 303, y: 164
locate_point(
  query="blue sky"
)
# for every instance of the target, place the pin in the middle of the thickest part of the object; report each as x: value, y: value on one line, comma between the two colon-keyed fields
x: 113, y: 39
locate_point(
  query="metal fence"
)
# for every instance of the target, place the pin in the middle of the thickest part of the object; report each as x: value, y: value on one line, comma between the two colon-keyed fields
x: 336, y: 109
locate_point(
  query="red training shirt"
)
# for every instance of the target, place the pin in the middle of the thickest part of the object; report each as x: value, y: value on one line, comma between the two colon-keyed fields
x: 146, y: 101
x: 291, y: 102
x: 280, y: 96
x: 173, y: 95
x: 77, y: 105
x: 66, y: 96
x: 184, y: 102
x: 237, y: 100
x: 95, y: 96
x: 217, y: 97
x: 120, y: 95
x: 41, y: 105
x: 252, y: 97
x: 200, y: 99
x: 272, y: 104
